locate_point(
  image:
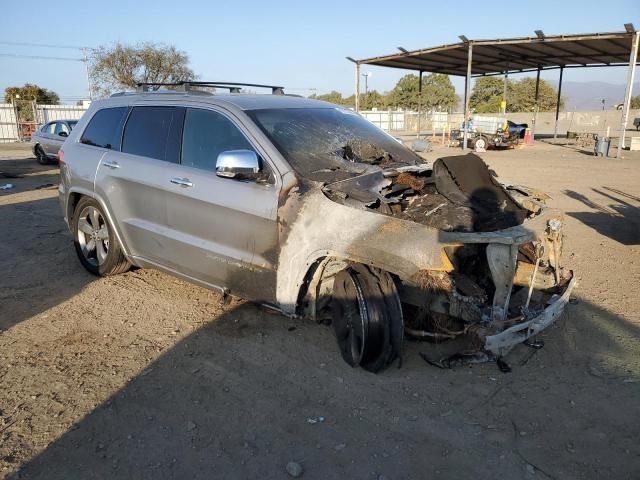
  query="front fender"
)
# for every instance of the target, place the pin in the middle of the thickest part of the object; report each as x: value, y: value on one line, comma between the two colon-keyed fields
x: 321, y: 227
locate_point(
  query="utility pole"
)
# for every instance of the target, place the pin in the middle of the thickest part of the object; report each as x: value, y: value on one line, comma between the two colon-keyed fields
x: 85, y: 60
x: 366, y: 88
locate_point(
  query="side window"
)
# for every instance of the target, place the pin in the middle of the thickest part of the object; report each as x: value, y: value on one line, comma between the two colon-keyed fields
x: 154, y: 132
x: 104, y: 128
x: 206, y: 134
x: 61, y: 127
x: 49, y: 128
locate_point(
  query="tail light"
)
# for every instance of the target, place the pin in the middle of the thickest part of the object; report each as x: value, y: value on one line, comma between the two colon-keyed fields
x: 60, y: 157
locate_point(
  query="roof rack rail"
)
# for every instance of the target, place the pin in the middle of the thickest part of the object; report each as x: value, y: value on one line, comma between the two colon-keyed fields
x: 233, y: 87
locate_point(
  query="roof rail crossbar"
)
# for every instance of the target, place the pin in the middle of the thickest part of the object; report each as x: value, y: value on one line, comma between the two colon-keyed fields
x: 233, y: 87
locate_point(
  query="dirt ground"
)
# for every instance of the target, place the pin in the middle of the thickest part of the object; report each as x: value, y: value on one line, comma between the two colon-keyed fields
x: 145, y: 376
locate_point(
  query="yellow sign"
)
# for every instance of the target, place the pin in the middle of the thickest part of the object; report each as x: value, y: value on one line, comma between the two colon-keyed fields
x: 503, y: 105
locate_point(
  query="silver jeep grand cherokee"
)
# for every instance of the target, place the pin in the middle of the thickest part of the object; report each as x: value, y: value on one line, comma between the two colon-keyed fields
x: 309, y: 208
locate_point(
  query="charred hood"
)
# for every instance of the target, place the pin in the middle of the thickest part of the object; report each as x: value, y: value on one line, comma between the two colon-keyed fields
x: 457, y: 193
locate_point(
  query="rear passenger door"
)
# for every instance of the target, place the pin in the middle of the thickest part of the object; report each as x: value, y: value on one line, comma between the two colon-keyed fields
x: 135, y: 180
x: 222, y: 231
x: 60, y: 133
x: 47, y: 138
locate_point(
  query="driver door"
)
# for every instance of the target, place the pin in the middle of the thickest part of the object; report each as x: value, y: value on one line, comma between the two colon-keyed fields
x: 223, y: 231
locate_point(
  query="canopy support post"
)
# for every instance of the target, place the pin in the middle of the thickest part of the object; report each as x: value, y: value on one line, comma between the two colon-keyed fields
x: 419, y: 104
x: 467, y: 86
x: 555, y: 129
x: 504, y: 89
x: 357, y: 93
x: 535, y: 106
x: 633, y: 58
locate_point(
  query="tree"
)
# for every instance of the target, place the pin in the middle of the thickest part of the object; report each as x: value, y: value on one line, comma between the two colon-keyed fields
x: 335, y: 97
x: 437, y: 93
x: 33, y: 92
x: 522, y: 94
x: 123, y: 66
x: 405, y: 93
x: 635, y: 101
x: 486, y: 96
x: 372, y: 99
x: 23, y: 96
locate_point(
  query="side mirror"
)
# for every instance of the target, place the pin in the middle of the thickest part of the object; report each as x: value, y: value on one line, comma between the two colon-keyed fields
x: 239, y: 164
x: 63, y: 134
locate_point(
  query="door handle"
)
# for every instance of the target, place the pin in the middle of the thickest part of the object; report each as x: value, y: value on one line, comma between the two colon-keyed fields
x: 111, y: 164
x: 183, y: 182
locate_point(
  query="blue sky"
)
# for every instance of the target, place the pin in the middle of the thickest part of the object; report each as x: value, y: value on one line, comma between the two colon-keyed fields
x: 299, y: 44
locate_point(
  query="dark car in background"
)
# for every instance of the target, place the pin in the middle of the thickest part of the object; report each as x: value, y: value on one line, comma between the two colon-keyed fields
x: 516, y: 130
x: 48, y: 139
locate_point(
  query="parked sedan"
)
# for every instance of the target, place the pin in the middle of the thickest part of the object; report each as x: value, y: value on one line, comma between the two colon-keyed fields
x: 48, y: 139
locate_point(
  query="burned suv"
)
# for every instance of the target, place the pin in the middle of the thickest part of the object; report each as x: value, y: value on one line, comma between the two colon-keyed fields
x: 309, y: 208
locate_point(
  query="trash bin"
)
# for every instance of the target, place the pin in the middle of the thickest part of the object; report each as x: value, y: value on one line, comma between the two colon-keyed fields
x: 601, y: 146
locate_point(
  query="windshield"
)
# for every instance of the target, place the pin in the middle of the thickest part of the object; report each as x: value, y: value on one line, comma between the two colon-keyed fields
x: 325, y: 144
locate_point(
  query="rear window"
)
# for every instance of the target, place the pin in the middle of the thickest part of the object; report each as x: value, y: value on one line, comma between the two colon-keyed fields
x: 104, y: 128
x: 154, y: 132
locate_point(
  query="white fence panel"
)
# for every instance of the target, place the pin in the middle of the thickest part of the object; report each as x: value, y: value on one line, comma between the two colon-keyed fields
x: 8, y: 124
x: 386, y: 120
x: 47, y: 113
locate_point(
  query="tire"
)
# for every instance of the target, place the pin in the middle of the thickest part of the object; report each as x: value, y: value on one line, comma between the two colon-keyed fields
x: 481, y: 143
x: 41, y: 156
x: 367, y: 317
x: 95, y: 242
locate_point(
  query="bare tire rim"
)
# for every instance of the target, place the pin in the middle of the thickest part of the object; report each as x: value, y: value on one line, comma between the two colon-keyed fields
x: 480, y: 143
x: 93, y: 236
x: 350, y: 318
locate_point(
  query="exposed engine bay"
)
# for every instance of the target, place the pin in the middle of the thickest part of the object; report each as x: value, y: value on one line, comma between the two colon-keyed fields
x: 498, y: 288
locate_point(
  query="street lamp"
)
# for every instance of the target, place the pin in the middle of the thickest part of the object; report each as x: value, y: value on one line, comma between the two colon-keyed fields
x: 366, y: 85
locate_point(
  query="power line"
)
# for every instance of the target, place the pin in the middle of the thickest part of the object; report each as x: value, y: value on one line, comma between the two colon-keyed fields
x: 41, y: 57
x: 46, y: 45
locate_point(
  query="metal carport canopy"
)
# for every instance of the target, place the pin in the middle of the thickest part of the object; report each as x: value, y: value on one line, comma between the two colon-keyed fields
x: 515, y: 55
x: 474, y: 58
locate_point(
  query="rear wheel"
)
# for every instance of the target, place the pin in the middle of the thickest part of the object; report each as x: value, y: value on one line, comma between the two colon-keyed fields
x: 95, y: 242
x: 41, y: 156
x: 367, y: 317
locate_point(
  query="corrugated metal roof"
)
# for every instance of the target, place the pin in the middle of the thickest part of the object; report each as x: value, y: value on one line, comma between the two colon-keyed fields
x: 520, y: 54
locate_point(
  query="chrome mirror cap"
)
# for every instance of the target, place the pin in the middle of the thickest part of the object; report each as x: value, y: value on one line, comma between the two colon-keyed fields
x: 241, y: 164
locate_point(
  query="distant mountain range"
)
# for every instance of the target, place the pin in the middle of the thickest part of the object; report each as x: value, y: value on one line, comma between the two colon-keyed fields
x: 589, y: 95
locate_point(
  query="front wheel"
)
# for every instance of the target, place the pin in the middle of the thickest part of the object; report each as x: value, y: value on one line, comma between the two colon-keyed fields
x: 96, y: 244
x: 367, y: 317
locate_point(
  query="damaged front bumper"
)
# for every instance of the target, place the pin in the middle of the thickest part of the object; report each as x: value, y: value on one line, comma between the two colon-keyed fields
x: 501, y: 343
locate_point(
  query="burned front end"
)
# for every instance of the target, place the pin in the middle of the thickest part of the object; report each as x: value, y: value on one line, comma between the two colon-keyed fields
x: 501, y: 279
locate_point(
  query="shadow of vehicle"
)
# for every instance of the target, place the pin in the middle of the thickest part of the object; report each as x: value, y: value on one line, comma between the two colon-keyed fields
x: 232, y: 400
x: 619, y: 220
